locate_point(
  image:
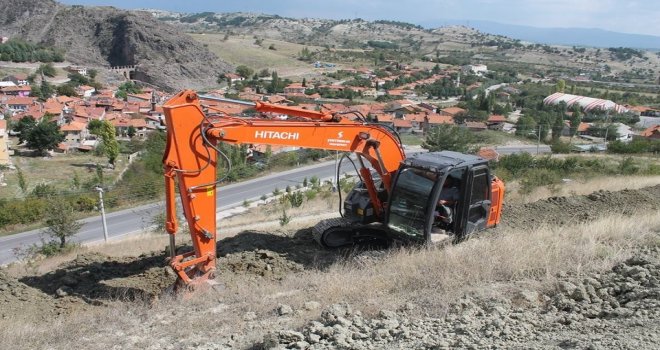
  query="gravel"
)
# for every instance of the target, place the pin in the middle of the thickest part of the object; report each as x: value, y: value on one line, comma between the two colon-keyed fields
x: 616, y: 309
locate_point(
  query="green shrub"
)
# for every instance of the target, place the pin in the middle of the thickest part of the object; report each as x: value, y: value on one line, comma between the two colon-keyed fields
x: 539, y: 177
x: 560, y: 147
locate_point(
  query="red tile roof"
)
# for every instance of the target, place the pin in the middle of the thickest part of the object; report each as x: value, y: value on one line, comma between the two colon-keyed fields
x: 496, y: 118
x: 440, y: 119
x: 452, y: 110
x: 488, y: 154
x: 73, y: 126
x: 20, y: 101
x: 651, y: 131
x: 583, y: 127
x: 401, y: 123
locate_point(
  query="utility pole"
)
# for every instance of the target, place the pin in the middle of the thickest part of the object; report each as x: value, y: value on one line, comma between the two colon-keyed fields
x: 105, y: 225
x: 334, y: 183
x: 538, y: 141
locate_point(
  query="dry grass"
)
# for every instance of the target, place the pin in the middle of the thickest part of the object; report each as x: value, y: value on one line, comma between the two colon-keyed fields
x: 579, y: 187
x: 241, y: 50
x: 428, y: 278
x: 433, y: 276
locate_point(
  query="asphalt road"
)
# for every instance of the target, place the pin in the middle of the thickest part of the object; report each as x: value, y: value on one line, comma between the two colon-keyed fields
x: 139, y: 219
x: 532, y: 149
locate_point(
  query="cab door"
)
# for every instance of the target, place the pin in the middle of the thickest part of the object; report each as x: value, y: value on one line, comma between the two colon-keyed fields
x: 478, y: 206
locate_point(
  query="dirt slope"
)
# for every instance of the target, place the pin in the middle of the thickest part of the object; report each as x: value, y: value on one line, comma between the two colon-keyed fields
x: 615, y: 309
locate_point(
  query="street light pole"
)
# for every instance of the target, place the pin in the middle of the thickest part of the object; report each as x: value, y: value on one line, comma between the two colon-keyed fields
x: 538, y: 141
x: 334, y: 184
x: 105, y: 225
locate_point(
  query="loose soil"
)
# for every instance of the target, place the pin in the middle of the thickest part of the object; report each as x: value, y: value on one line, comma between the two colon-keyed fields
x: 95, y: 280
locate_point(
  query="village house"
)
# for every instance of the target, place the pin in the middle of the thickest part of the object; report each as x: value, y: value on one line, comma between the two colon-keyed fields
x: 452, y: 111
x: 496, y: 122
x: 4, y: 143
x: 18, y: 104
x: 372, y: 93
x: 477, y: 69
x: 18, y: 79
x: 74, y: 133
x: 402, y: 126
x: 294, y: 88
x: 18, y: 91
x: 85, y: 90
x: 233, y: 77
x: 652, y: 133
x: 77, y: 69
x: 475, y: 126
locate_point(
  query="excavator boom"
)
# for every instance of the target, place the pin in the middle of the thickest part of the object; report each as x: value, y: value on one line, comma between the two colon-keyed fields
x: 190, y: 159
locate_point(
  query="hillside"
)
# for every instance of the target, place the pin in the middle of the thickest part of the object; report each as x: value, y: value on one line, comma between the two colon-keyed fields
x: 452, y: 44
x: 106, y: 36
x: 590, y: 37
x: 543, y: 279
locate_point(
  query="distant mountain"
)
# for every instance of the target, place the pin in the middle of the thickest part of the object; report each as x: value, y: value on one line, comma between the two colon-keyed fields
x: 106, y: 36
x: 559, y: 36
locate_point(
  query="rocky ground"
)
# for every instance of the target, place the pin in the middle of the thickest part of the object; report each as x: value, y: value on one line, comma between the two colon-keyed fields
x: 616, y: 309
x: 613, y: 309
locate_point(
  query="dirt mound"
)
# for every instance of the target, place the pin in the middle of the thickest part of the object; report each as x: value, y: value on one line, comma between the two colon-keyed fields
x: 263, y: 254
x: 574, y: 209
x: 16, y: 298
x: 96, y: 279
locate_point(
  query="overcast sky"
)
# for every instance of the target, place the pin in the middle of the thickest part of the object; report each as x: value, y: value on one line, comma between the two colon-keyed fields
x: 633, y: 16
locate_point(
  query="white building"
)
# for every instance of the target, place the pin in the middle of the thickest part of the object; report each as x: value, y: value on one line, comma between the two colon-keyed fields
x: 586, y: 103
x: 477, y: 69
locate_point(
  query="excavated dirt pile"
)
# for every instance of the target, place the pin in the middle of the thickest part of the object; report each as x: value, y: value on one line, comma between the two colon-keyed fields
x: 94, y: 279
x: 619, y: 309
x: 575, y: 209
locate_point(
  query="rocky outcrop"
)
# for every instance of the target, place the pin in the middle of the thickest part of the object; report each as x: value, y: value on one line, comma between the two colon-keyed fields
x: 106, y: 36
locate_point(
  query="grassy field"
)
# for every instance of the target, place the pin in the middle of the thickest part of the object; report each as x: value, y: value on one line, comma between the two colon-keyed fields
x: 58, y: 171
x: 242, y: 50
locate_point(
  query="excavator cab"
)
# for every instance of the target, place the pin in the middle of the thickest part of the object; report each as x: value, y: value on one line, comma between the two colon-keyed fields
x: 442, y: 194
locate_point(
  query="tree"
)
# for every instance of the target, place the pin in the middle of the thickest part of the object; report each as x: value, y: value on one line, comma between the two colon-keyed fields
x: 576, y: 119
x: 24, y: 126
x: 47, y: 69
x: 557, y: 128
x: 66, y: 90
x: 447, y: 137
x: 61, y: 223
x: 22, y: 182
x: 131, y: 131
x: 110, y: 144
x: 44, y: 136
x: 244, y: 71
x: 525, y: 125
x: 561, y: 85
x: 274, y: 82
x: 264, y: 73
x: 304, y: 82
x: 94, y: 126
x: 47, y: 90
x: 127, y: 88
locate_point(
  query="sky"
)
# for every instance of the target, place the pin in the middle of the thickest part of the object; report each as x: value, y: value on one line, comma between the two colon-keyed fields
x: 632, y: 16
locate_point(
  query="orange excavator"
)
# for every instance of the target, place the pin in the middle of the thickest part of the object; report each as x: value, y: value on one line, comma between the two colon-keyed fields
x: 396, y: 199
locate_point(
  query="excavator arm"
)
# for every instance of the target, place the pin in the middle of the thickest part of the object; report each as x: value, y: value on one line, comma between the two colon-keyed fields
x: 190, y: 159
